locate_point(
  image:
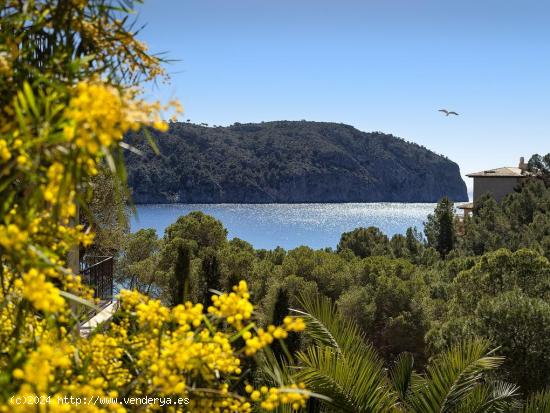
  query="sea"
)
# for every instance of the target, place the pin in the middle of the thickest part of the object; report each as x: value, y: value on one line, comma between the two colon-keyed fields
x: 267, y: 226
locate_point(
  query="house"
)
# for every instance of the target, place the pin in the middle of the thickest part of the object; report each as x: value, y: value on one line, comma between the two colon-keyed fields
x: 498, y: 182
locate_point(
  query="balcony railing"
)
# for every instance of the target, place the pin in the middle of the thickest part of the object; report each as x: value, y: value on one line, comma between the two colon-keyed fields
x: 97, y: 272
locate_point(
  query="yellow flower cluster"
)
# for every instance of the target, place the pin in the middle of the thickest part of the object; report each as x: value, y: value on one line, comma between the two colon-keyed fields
x: 5, y: 66
x: 96, y: 117
x: 104, y: 356
x: 254, y: 344
x: 175, y: 347
x: 5, y: 153
x: 41, y: 367
x: 42, y: 294
x: 10, y: 316
x: 271, y: 398
x: 235, y: 306
x: 265, y: 338
x: 52, y: 192
x: 152, y: 313
x: 99, y: 115
x: 54, y: 134
x: 188, y: 315
x: 192, y: 354
x: 56, y: 369
x: 6, y: 326
x: 296, y: 324
x: 55, y: 176
x: 11, y: 236
x: 130, y: 299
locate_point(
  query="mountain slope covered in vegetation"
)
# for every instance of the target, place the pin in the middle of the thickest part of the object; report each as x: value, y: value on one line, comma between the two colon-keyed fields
x: 287, y: 161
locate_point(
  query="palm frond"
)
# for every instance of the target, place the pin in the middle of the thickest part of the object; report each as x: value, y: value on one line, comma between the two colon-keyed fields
x: 453, y: 376
x: 401, y: 374
x: 272, y: 370
x: 326, y: 325
x: 278, y: 374
x: 537, y: 403
x: 354, y: 382
x: 504, y: 397
x: 491, y: 397
x: 341, y: 364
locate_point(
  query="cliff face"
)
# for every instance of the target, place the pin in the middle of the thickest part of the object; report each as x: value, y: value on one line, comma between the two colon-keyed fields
x: 287, y: 162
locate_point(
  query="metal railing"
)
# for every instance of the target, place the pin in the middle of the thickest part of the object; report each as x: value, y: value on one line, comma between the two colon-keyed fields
x: 97, y: 272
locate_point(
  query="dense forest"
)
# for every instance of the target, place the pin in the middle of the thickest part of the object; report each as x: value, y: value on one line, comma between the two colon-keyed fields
x: 286, y: 162
x: 413, y: 295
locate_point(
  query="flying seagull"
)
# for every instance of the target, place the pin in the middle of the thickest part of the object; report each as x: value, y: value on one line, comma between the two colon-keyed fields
x: 447, y: 113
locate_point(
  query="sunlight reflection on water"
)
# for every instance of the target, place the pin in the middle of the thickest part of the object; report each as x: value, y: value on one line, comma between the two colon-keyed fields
x: 291, y: 225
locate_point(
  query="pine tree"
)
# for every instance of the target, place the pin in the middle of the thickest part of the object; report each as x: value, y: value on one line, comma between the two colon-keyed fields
x: 182, y: 273
x: 439, y: 229
x: 280, y: 311
x: 412, y: 242
x: 211, y: 276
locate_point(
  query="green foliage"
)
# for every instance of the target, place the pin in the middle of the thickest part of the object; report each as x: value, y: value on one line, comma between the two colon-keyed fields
x: 400, y: 322
x: 346, y: 369
x: 501, y: 271
x: 371, y: 268
x: 106, y: 214
x: 521, y: 326
x: 138, y: 266
x: 385, y: 300
x: 537, y: 403
x: 440, y: 229
x: 365, y: 242
x: 398, y: 246
x: 414, y: 242
x: 358, y: 304
x: 504, y: 297
x: 236, y: 261
x: 329, y: 271
x: 293, y: 285
x: 200, y: 228
x: 487, y: 229
x: 540, y: 166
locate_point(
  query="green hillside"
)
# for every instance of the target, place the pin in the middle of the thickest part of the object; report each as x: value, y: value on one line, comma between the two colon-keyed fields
x: 287, y: 162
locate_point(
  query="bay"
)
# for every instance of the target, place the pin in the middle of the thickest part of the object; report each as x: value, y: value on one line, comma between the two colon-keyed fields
x: 290, y: 225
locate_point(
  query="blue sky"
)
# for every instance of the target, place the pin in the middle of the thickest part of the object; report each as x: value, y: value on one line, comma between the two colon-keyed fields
x: 384, y: 65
